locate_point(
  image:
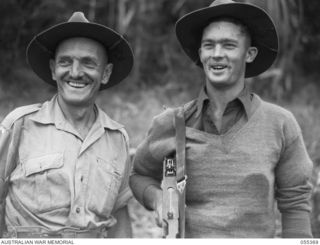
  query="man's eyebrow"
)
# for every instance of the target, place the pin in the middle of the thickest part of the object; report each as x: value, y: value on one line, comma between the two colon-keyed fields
x: 223, y: 40
x: 87, y: 57
x: 63, y: 56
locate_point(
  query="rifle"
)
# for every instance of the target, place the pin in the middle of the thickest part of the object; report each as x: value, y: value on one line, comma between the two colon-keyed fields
x: 173, y: 185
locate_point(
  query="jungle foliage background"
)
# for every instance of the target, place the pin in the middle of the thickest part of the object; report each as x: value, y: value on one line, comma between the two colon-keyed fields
x: 163, y: 75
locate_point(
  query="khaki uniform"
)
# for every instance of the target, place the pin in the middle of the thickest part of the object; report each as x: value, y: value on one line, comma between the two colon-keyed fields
x: 64, y: 181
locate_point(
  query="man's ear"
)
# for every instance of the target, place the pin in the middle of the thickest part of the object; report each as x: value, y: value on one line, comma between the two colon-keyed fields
x: 251, y: 54
x: 53, y: 74
x: 107, y: 73
x: 199, y: 54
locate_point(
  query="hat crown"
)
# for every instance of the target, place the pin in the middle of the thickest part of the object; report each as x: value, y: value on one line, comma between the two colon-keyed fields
x: 78, y: 17
x: 42, y: 47
x: 219, y: 2
x: 262, y: 29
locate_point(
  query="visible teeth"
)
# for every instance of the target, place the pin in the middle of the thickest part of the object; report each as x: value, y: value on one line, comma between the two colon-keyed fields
x: 77, y: 85
x: 218, y: 67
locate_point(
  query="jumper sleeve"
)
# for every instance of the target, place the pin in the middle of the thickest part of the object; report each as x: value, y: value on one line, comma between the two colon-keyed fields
x: 293, y: 180
x: 147, y: 164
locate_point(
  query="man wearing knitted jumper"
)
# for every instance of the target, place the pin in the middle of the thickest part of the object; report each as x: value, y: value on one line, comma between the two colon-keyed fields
x: 243, y: 155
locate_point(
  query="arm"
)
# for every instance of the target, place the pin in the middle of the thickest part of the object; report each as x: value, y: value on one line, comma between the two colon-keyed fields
x: 4, y: 144
x: 122, y: 229
x: 10, y: 131
x: 9, y: 141
x: 147, y: 165
x: 149, y: 195
x: 293, y: 179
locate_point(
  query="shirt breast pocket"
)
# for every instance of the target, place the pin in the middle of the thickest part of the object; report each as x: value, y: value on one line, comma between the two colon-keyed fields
x: 104, y: 186
x: 46, y: 184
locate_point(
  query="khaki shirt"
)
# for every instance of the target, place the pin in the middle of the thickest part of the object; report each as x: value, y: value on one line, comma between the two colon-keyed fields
x: 62, y: 180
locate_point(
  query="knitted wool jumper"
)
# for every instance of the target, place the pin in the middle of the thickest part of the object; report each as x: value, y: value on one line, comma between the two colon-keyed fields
x: 235, y: 179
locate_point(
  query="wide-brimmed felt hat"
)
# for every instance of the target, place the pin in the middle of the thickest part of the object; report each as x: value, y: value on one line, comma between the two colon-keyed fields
x: 42, y: 47
x: 263, y: 32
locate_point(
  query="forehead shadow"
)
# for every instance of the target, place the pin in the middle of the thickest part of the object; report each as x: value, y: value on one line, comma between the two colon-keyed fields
x: 101, y: 48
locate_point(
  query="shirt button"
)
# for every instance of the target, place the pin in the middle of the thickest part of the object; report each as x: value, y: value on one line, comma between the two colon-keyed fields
x: 81, y: 179
x: 77, y: 210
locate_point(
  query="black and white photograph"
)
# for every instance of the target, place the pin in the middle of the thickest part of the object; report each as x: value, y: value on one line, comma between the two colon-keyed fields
x: 159, y: 119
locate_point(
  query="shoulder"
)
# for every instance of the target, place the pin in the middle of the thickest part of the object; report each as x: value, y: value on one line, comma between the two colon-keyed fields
x: 18, y: 113
x: 162, y: 125
x: 125, y: 135
x: 166, y: 118
x: 276, y: 112
x: 281, y: 117
x: 112, y: 125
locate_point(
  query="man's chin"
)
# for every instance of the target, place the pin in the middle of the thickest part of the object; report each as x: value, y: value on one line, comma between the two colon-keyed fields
x: 221, y: 86
x: 218, y: 81
x: 77, y: 97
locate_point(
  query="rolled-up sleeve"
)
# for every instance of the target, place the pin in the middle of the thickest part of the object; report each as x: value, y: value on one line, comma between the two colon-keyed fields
x: 294, y: 188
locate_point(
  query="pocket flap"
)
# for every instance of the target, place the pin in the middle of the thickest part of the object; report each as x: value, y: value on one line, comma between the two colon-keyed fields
x: 108, y: 166
x: 43, y: 163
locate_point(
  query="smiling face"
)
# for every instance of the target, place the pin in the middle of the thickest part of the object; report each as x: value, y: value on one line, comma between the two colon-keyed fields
x: 225, y: 49
x: 79, y: 68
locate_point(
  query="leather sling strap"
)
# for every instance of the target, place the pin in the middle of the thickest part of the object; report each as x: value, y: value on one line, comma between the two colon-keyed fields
x: 181, y: 161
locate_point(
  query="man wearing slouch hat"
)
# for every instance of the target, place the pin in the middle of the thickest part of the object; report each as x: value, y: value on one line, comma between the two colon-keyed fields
x: 243, y: 154
x: 65, y: 164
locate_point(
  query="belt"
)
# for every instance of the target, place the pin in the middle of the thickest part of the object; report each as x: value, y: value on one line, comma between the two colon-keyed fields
x: 40, y: 232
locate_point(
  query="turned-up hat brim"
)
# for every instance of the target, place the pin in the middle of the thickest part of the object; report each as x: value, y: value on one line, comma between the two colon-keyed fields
x: 262, y: 29
x: 42, y: 47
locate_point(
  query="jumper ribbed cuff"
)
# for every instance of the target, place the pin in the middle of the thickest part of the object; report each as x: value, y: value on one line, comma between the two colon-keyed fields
x: 296, y: 225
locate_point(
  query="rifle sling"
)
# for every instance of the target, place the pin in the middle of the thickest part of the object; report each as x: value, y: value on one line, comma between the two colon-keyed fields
x: 180, y: 158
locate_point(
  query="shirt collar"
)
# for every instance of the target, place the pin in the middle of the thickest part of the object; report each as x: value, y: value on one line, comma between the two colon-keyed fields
x: 200, y: 101
x: 106, y: 121
x: 244, y: 97
x: 51, y: 113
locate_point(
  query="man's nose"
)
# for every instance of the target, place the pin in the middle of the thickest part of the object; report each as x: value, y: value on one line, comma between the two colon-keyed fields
x: 76, y: 70
x: 217, y: 52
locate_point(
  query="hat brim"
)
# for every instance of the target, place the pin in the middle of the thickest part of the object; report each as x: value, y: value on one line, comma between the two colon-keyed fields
x: 262, y: 29
x: 42, y: 47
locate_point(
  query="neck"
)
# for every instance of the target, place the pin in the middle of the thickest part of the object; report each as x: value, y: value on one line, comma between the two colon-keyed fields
x: 80, y: 117
x: 221, y: 96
